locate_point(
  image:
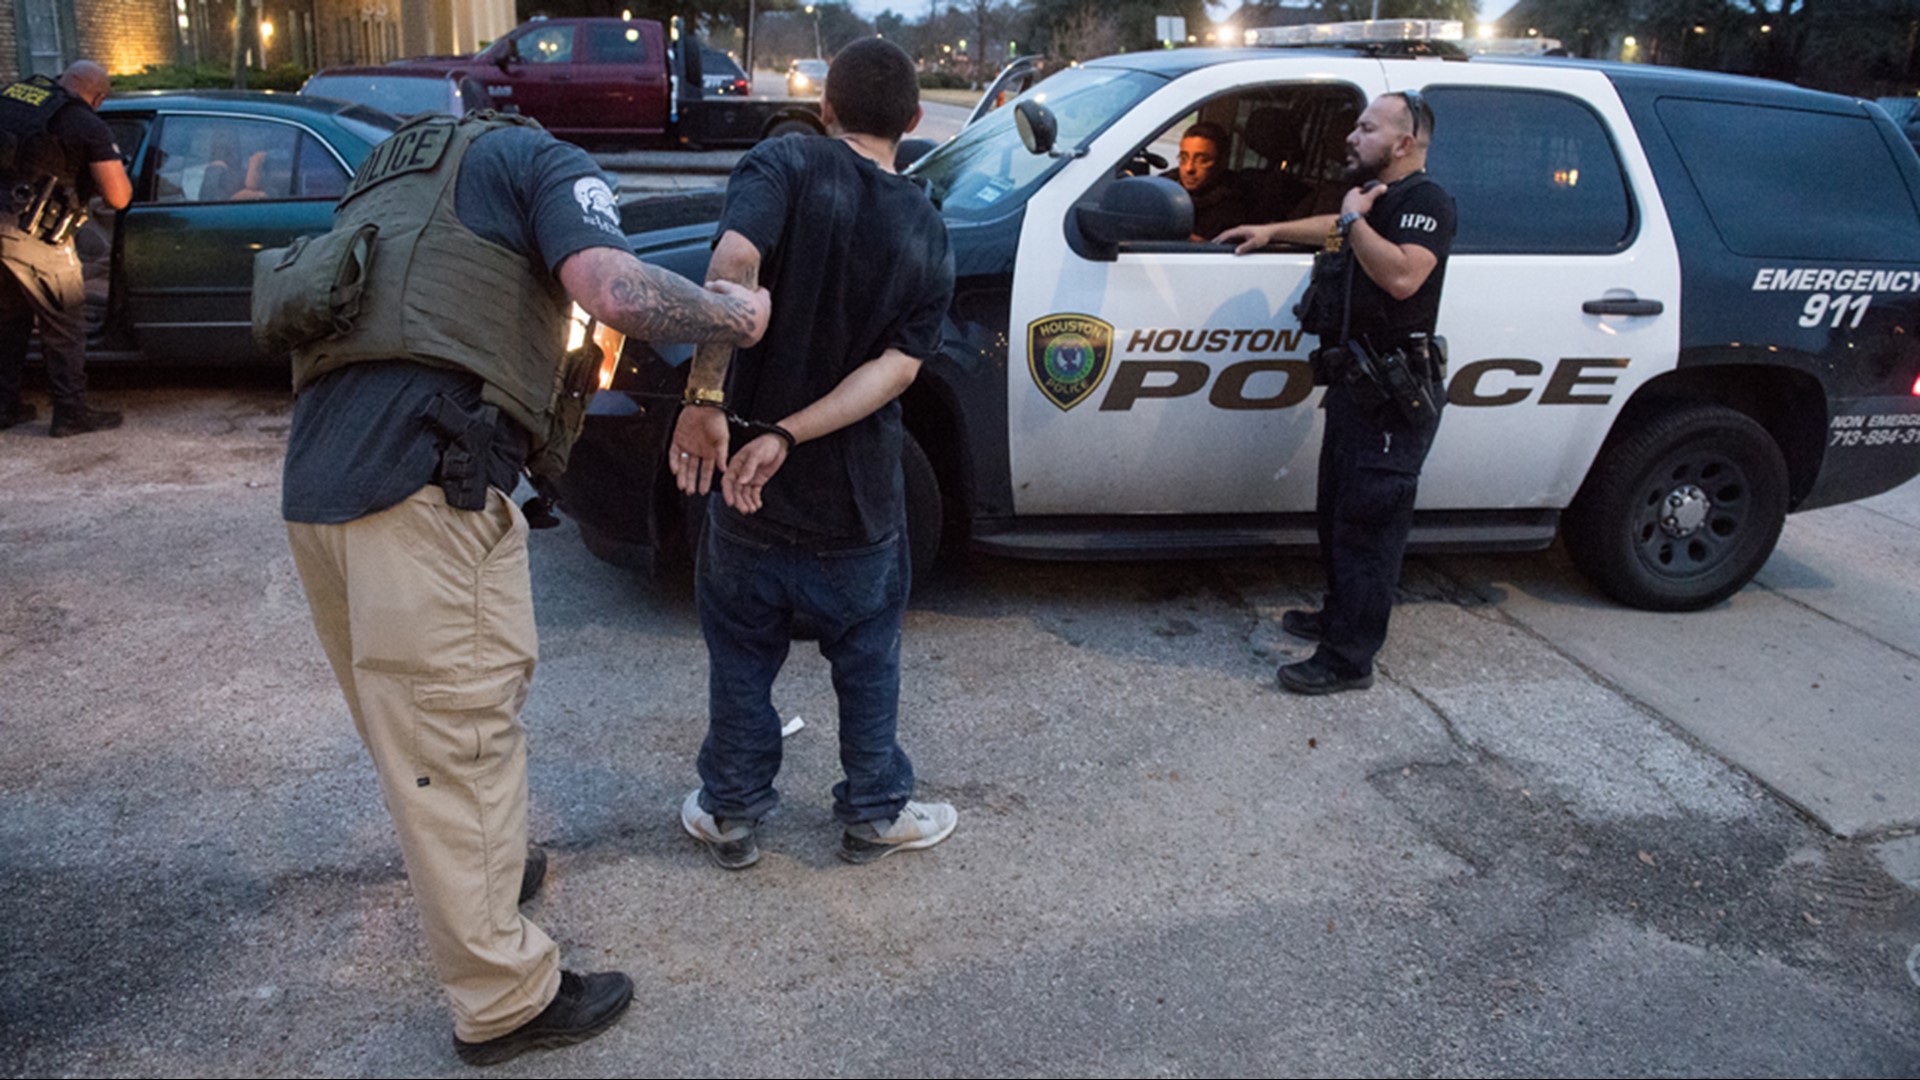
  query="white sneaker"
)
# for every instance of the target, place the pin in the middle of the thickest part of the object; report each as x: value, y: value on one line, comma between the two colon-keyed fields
x: 729, y: 843
x: 919, y: 825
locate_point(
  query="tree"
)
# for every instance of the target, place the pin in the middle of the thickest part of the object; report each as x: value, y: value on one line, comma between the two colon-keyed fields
x: 1088, y: 33
x: 1352, y: 10
x: 1131, y: 22
x: 1865, y: 47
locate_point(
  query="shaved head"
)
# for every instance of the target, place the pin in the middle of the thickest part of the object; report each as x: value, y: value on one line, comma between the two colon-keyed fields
x: 86, y: 80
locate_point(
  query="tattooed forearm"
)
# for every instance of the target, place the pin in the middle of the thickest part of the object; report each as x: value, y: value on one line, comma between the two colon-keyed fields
x: 649, y: 303
x: 653, y: 304
x: 735, y: 260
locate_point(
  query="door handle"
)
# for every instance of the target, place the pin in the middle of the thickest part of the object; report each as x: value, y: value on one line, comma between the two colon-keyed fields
x: 1623, y: 307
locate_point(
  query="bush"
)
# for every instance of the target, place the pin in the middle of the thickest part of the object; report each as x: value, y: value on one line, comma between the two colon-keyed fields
x: 942, y: 80
x: 211, y: 77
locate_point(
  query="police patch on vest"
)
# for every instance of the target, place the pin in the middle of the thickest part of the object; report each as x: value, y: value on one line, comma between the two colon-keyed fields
x: 1068, y: 356
x: 27, y: 92
x: 414, y: 148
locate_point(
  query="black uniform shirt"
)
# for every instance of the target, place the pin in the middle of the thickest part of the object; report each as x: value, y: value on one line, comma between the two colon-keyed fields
x: 1414, y: 210
x: 360, y: 441
x: 87, y: 139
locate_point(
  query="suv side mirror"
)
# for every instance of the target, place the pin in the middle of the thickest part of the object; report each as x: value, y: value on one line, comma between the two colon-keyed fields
x: 1038, y: 128
x: 910, y: 151
x: 509, y: 55
x: 1133, y: 209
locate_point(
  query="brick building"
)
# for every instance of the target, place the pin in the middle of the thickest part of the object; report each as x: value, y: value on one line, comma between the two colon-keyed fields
x: 128, y: 35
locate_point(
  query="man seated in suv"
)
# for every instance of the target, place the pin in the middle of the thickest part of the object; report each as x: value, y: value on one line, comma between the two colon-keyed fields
x: 1217, y: 201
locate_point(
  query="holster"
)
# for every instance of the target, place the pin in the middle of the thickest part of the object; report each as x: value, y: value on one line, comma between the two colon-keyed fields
x: 463, y: 461
x: 1394, y: 387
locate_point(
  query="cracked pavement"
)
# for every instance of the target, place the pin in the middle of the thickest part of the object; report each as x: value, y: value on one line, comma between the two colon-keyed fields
x: 1557, y: 838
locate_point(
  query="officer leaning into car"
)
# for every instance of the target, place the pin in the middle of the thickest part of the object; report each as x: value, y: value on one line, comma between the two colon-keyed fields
x: 55, y: 154
x: 1373, y: 301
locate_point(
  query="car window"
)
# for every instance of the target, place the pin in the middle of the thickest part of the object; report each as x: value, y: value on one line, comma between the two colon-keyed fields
x: 319, y: 175
x: 985, y: 171
x: 223, y: 159
x: 1790, y: 183
x: 547, y: 45
x: 1529, y: 172
x: 128, y: 132
x: 611, y: 44
x: 1283, y: 155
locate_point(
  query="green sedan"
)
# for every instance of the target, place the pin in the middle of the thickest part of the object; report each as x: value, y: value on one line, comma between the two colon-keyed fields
x: 217, y: 176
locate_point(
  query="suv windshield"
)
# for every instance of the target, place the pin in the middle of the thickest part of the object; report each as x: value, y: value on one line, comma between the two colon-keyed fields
x: 985, y: 171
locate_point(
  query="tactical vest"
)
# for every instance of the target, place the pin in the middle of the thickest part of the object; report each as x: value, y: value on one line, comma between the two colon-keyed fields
x: 37, y: 173
x: 28, y: 152
x: 433, y: 292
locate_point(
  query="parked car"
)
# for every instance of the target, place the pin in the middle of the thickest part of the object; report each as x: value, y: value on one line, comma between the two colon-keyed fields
x: 398, y: 91
x: 217, y: 176
x: 1905, y: 112
x: 604, y: 79
x: 1671, y: 320
x: 806, y: 78
x: 720, y: 75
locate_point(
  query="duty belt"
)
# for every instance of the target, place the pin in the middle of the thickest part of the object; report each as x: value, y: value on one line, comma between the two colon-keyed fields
x: 1426, y: 354
x: 48, y: 211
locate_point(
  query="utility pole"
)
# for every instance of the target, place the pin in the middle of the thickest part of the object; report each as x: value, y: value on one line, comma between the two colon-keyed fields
x: 746, y: 45
x: 239, y: 35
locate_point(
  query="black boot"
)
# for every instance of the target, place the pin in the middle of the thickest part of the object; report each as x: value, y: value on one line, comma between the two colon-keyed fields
x: 79, y: 420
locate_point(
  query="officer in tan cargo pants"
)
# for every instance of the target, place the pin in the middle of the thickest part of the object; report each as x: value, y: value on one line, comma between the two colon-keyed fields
x: 409, y: 427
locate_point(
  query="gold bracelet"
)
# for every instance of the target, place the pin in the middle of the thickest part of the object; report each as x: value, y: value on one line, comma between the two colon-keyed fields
x: 698, y: 396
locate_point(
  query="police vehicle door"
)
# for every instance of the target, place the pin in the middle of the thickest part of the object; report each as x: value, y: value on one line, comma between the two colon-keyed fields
x: 1172, y: 378
x: 1562, y: 294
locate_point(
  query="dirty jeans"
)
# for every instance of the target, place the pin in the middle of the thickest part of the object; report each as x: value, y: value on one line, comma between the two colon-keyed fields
x: 749, y: 592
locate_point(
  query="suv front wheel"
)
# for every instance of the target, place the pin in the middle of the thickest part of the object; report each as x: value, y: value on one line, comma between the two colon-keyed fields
x: 1680, y: 511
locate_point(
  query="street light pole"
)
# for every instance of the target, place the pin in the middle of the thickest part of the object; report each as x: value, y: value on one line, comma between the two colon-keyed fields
x: 746, y: 45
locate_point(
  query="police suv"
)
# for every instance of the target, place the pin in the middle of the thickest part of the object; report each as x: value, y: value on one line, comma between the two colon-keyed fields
x: 1679, y: 306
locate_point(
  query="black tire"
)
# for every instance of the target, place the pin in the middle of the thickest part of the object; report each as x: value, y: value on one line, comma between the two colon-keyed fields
x: 791, y: 127
x: 925, y: 520
x: 1680, y: 510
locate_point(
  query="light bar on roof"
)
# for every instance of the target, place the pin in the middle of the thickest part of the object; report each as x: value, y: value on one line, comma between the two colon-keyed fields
x: 1368, y: 31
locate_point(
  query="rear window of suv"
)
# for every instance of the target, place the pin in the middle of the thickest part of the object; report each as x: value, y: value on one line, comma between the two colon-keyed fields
x: 1792, y: 183
x: 1530, y: 172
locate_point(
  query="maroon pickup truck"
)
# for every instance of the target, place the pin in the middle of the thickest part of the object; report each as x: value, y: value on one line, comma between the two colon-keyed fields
x: 619, y: 80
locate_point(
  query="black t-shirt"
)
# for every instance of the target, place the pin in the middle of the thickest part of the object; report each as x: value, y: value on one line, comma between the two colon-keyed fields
x: 857, y: 261
x: 360, y: 441
x: 87, y: 139
x: 1414, y: 210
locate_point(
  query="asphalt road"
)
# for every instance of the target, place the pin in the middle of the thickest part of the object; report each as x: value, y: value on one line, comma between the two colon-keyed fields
x: 1558, y: 839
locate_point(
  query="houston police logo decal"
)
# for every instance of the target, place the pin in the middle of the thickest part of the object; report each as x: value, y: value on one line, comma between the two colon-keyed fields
x: 1068, y: 356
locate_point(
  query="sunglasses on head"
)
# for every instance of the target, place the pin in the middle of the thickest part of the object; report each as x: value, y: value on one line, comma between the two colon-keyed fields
x: 1418, y: 111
